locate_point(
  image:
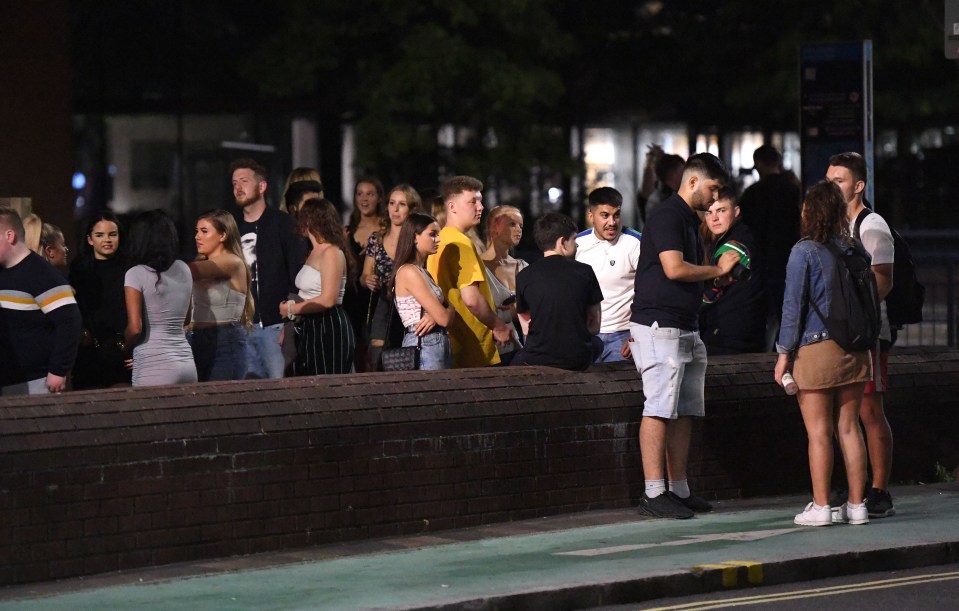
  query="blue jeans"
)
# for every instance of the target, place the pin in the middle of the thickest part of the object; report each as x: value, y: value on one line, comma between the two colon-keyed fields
x: 435, y: 351
x: 264, y: 355
x: 219, y: 352
x: 612, y: 344
x: 31, y: 387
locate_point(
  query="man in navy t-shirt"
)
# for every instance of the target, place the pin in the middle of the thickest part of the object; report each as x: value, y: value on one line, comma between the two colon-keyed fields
x: 665, y: 342
x: 558, y: 301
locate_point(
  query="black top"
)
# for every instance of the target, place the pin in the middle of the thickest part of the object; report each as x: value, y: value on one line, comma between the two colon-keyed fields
x: 771, y: 209
x: 736, y: 319
x: 556, y: 292
x: 39, y: 322
x: 672, y: 226
x: 277, y: 256
x: 100, y: 296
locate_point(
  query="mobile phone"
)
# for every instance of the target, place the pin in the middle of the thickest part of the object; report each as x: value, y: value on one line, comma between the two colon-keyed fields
x: 510, y: 300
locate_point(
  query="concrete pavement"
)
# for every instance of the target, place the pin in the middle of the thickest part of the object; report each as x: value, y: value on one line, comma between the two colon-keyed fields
x: 561, y: 562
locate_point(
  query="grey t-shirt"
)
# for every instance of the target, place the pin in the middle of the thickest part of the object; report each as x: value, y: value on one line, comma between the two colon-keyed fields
x: 163, y: 356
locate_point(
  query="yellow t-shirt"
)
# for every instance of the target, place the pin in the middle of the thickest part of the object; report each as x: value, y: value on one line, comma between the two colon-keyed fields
x: 454, y: 266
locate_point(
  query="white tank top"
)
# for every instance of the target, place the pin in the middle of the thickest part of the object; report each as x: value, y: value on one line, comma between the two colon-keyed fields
x: 409, y: 309
x: 310, y: 282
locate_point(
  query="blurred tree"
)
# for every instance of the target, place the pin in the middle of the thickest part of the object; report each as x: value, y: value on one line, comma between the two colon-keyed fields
x: 482, y: 74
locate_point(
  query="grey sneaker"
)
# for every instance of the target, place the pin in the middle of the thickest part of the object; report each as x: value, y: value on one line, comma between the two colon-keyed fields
x: 663, y: 506
x: 879, y: 503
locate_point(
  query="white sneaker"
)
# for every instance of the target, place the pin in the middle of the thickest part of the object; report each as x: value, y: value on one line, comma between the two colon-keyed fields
x: 814, y: 516
x: 848, y: 513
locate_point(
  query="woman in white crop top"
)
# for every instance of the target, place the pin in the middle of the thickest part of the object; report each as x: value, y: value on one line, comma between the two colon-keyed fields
x: 424, y: 310
x: 222, y: 305
x: 324, y: 337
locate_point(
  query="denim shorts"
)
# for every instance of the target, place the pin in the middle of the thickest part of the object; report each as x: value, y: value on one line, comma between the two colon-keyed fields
x: 435, y: 351
x: 673, y: 365
x: 612, y: 346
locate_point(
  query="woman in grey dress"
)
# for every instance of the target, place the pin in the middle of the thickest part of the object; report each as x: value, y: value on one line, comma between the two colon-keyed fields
x: 158, y: 289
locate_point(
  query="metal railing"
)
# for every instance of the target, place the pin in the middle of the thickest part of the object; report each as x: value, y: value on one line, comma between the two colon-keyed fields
x: 936, y: 254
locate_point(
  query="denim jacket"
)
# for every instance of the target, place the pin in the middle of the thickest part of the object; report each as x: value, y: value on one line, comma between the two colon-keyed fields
x: 808, y: 275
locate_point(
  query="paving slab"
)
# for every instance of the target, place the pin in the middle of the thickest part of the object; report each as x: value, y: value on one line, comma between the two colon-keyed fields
x: 563, y: 562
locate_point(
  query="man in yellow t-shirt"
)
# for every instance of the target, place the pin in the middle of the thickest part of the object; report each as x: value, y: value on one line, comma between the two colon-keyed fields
x: 462, y: 276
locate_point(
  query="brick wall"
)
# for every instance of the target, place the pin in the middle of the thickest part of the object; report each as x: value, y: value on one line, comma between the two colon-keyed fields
x: 100, y: 481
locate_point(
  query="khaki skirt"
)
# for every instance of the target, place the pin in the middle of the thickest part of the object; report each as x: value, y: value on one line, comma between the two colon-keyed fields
x: 825, y: 365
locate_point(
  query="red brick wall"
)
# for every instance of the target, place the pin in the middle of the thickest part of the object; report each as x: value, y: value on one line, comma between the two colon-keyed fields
x: 99, y: 481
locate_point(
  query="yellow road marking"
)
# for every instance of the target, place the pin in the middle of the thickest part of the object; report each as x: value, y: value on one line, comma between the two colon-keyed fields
x: 812, y: 593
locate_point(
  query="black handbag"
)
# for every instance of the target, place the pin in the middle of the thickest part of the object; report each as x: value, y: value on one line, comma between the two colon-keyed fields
x: 405, y: 358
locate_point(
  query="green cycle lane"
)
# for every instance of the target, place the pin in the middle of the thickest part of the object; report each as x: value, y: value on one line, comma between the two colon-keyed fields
x: 634, y: 548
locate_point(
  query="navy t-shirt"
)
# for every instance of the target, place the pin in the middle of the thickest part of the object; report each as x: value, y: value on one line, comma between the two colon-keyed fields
x: 672, y: 226
x: 556, y: 291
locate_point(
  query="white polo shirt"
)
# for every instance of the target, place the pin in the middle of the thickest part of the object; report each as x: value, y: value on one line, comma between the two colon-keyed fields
x: 615, y: 266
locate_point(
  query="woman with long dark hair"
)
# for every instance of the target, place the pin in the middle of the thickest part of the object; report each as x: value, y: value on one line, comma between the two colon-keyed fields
x: 830, y: 380
x: 423, y: 308
x: 222, y: 304
x: 158, y: 289
x: 360, y: 301
x: 378, y: 268
x: 324, y: 337
x: 97, y: 277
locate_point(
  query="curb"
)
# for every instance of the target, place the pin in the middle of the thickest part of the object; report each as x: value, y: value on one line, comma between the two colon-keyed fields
x: 704, y: 579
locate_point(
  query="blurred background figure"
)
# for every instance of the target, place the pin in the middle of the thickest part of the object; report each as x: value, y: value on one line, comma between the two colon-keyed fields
x: 301, y: 184
x: 158, y: 290
x: 97, y: 277
x: 32, y: 225
x: 770, y: 208
x: 504, y: 230
x: 53, y: 248
x: 222, y: 305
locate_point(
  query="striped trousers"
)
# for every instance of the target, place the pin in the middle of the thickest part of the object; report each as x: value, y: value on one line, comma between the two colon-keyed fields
x: 324, y: 343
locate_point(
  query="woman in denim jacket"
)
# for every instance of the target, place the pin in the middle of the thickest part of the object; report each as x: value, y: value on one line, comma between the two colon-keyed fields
x: 830, y: 380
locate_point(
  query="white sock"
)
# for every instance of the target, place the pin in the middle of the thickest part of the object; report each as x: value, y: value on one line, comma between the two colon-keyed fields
x: 655, y: 487
x: 680, y: 488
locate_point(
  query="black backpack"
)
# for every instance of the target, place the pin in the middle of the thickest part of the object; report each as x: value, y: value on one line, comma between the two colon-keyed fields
x: 904, y: 301
x: 854, y: 317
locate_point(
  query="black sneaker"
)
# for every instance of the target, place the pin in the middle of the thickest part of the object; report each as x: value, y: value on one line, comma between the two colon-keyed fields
x: 696, y: 503
x: 838, y: 497
x: 663, y: 506
x: 879, y: 503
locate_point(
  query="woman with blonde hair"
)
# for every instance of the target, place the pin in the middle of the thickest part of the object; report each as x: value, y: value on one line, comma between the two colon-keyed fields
x: 504, y: 230
x: 32, y: 226
x: 222, y: 304
x: 378, y: 268
x: 324, y: 337
x: 53, y: 246
x: 830, y: 380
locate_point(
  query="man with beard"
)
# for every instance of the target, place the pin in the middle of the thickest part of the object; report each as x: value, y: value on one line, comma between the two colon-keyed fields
x: 461, y: 274
x: 666, y: 346
x: 274, y: 254
x: 613, y: 253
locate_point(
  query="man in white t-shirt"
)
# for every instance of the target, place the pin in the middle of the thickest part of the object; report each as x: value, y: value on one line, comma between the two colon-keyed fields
x: 613, y: 253
x: 848, y: 171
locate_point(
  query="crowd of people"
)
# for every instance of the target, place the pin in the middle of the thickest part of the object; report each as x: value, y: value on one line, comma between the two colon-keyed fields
x: 274, y: 293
